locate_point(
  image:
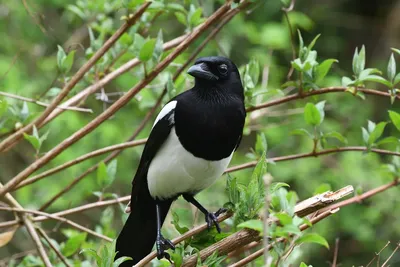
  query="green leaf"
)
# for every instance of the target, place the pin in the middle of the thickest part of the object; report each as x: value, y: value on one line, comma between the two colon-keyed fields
x: 355, y: 60
x: 365, y: 135
x: 312, y: 115
x: 371, y: 126
x: 68, y: 62
x: 378, y: 79
x: 376, y: 133
x: 92, y: 253
x: 320, y: 106
x: 302, y: 132
x: 60, y: 57
x: 176, y: 7
x: 35, y: 142
x: 312, y: 238
x: 346, y: 81
x: 291, y: 229
x: 73, y: 244
x: 275, y: 186
x: 304, y: 265
x: 77, y: 11
x: 359, y: 61
x: 311, y: 45
x: 252, y: 224
x: 146, y: 52
x: 102, y: 174
x: 337, y: 136
x: 323, y: 69
x: 261, y: 143
x: 119, y: 261
x: 181, y: 18
x: 396, y: 50
x: 24, y: 114
x: 111, y: 172
x: 395, y: 118
x: 396, y: 79
x: 322, y: 188
x: 284, y: 218
x: 388, y: 140
x: 391, y: 68
x: 158, y: 49
x: 195, y: 17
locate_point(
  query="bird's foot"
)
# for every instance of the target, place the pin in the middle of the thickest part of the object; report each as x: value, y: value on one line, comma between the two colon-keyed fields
x: 163, y: 244
x: 212, y: 218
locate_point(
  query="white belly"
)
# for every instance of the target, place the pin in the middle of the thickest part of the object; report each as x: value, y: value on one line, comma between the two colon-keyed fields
x: 174, y: 170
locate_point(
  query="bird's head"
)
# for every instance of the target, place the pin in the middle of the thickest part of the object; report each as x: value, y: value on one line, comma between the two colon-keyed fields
x: 217, y: 72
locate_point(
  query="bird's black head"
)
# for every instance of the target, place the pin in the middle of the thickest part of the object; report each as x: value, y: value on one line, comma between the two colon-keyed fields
x: 216, y: 72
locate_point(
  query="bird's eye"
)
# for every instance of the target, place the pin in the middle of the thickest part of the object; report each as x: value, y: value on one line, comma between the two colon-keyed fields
x: 223, y: 68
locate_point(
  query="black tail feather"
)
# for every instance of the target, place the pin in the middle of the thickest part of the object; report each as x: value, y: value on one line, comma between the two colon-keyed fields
x: 139, y: 233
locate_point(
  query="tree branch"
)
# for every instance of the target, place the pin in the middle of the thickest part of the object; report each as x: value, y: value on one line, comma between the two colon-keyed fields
x: 88, y: 110
x: 59, y: 254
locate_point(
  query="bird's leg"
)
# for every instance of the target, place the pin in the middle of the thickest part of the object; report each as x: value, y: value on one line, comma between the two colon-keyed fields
x: 162, y: 243
x: 211, y: 218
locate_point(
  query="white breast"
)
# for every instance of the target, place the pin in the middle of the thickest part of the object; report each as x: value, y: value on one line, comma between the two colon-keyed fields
x: 174, y: 170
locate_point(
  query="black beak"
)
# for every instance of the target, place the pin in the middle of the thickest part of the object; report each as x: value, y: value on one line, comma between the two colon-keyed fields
x: 202, y: 71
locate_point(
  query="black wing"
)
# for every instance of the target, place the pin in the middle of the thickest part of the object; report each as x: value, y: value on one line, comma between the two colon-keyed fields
x: 158, y: 135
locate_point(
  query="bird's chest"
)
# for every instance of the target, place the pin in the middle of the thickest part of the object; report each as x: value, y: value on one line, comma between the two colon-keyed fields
x: 210, y: 131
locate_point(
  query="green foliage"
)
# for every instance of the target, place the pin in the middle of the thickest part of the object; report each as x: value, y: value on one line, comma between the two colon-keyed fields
x: 105, y: 256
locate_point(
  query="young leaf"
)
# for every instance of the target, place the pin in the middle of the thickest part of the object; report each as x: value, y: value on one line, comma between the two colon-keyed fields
x: 378, y: 79
x: 102, y: 174
x: 365, y: 135
x: 337, y: 136
x: 311, y: 45
x: 60, y: 57
x: 3, y: 107
x: 371, y: 126
x: 323, y: 69
x: 119, y: 261
x: 158, y: 49
x: 284, y: 218
x: 302, y: 132
x: 376, y: 133
x: 195, y: 17
x: 320, y: 106
x: 312, y: 115
x: 346, y: 81
x: 396, y: 50
x: 68, y: 62
x: 312, y: 238
x: 355, y: 60
x: 73, y: 244
x: 92, y: 253
x: 391, y: 68
x: 360, y: 63
x: 261, y: 143
x: 146, y: 52
x: 252, y: 224
x: 181, y: 18
x: 35, y: 142
x: 395, y: 117
x: 275, y: 186
x: 111, y: 172
x: 388, y: 140
x: 396, y: 79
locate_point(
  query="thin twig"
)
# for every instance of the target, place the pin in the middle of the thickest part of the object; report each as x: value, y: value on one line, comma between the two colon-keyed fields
x: 335, y: 255
x: 35, y: 237
x: 286, y: 14
x: 58, y: 253
x: 391, y: 255
x: 61, y: 219
x: 88, y: 110
x: 377, y: 254
x: 76, y: 78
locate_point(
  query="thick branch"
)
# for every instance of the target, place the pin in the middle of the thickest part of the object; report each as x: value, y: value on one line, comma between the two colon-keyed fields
x: 76, y: 78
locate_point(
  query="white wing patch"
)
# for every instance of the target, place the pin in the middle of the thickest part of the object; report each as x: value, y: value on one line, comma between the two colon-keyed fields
x: 174, y: 170
x: 165, y: 110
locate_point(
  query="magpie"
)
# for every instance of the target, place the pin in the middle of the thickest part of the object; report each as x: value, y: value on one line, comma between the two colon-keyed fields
x: 190, y: 145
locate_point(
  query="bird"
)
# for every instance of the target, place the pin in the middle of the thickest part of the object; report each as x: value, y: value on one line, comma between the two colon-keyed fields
x: 189, y: 147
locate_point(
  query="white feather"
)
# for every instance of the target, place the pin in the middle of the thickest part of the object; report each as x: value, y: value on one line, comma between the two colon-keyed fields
x: 165, y: 110
x: 174, y: 170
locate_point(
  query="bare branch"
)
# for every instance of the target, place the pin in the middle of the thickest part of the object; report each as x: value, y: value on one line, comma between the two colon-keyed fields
x: 61, y: 219
x: 76, y: 78
x: 39, y: 246
x: 391, y: 255
x: 59, y: 254
x: 88, y: 110
x: 335, y: 255
x: 377, y: 254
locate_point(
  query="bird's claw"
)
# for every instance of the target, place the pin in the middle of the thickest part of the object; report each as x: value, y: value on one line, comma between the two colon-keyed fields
x: 163, y: 244
x: 212, y: 218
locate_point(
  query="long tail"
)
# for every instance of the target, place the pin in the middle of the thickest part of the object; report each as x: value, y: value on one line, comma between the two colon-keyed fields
x: 139, y: 233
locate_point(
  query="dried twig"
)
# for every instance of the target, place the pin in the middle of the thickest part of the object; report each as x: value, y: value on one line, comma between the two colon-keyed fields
x: 75, y: 79
x: 88, y: 110
x: 58, y: 253
x: 377, y: 254
x: 335, y: 255
x: 61, y: 219
x: 391, y: 255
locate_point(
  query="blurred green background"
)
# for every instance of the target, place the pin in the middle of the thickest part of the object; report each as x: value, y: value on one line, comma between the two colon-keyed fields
x: 31, y: 31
